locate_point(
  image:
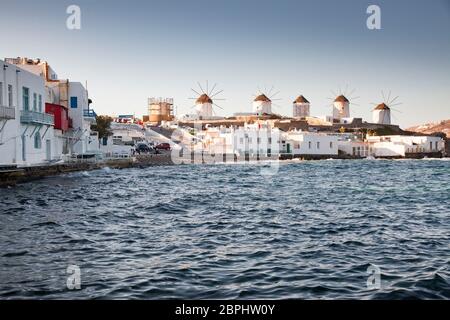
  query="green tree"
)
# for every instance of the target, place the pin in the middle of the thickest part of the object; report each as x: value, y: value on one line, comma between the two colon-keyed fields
x: 102, y: 126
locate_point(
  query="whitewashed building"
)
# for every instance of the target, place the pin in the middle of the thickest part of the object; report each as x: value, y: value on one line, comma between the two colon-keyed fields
x: 70, y: 104
x: 351, y: 145
x: 301, y: 107
x: 301, y: 143
x: 381, y: 114
x: 341, y: 108
x: 405, y: 146
x: 26, y: 131
x: 203, y: 107
x: 262, y: 105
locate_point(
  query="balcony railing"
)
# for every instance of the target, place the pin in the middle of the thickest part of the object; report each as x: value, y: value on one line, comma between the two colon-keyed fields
x: 7, y: 112
x: 37, y: 118
x: 88, y: 113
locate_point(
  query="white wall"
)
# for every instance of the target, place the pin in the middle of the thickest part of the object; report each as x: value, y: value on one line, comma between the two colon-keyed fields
x: 412, y: 144
x: 307, y: 143
x: 262, y: 107
x: 204, y: 110
x: 381, y: 116
x: 388, y: 149
x: 341, y: 110
x: 301, y: 110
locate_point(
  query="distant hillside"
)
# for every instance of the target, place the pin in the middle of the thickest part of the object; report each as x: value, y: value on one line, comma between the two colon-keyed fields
x: 429, y: 128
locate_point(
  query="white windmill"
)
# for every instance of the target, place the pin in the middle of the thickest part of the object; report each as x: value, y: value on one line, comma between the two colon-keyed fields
x: 262, y: 103
x: 382, y: 112
x: 341, y: 104
x: 204, y: 102
x: 301, y: 107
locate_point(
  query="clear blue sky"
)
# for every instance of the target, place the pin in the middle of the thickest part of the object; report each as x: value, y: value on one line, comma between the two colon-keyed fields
x: 131, y: 50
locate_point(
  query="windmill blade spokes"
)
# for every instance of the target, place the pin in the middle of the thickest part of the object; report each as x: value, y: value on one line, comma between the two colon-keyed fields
x: 352, y: 92
x: 356, y: 104
x: 395, y: 104
x: 201, y: 87
x: 393, y: 100
x: 218, y: 92
x: 389, y: 96
x: 270, y: 91
x: 218, y: 106
x: 274, y: 95
x: 212, y: 90
x: 207, y: 87
x: 396, y: 110
x: 384, y: 98
x: 196, y: 92
x: 333, y: 93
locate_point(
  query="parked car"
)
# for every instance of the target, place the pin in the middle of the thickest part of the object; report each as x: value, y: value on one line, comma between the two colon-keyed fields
x: 163, y: 146
x: 143, y: 148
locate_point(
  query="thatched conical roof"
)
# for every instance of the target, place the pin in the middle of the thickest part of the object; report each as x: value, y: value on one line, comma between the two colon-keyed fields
x: 204, y: 98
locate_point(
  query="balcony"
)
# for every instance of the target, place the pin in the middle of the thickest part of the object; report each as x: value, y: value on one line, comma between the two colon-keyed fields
x: 33, y: 117
x: 7, y: 113
x: 88, y: 113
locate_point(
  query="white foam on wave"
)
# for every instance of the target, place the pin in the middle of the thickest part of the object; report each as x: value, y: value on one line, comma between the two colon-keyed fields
x: 107, y: 170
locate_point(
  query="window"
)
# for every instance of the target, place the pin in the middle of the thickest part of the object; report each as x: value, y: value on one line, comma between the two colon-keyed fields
x: 26, y: 98
x: 1, y: 93
x: 34, y: 102
x: 73, y: 102
x: 318, y: 145
x: 10, y: 95
x: 331, y: 145
x: 436, y: 144
x: 309, y: 144
x: 40, y: 103
x: 37, y: 140
x: 431, y: 145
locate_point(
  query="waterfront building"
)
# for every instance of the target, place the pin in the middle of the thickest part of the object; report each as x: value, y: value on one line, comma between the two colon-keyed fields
x: 26, y: 130
x: 352, y: 145
x: 69, y: 102
x: 301, y: 107
x: 301, y: 143
x: 406, y: 146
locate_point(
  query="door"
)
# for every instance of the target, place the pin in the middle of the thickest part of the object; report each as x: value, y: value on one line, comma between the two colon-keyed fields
x: 24, y: 148
x: 48, y: 149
